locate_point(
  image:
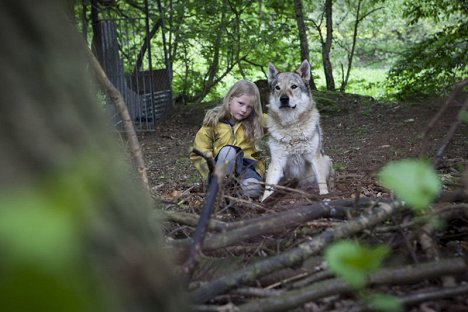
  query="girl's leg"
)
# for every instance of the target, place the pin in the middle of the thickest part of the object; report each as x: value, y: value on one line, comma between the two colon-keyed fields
x: 227, y: 155
x: 234, y: 159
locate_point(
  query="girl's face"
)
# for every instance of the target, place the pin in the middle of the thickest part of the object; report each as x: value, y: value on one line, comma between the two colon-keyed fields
x: 242, y: 106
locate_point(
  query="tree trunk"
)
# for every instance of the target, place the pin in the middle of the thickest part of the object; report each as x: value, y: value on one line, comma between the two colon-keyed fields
x: 146, y: 42
x: 74, y: 222
x: 214, y: 65
x: 303, y: 38
x: 357, y: 20
x: 97, y: 37
x: 326, y: 46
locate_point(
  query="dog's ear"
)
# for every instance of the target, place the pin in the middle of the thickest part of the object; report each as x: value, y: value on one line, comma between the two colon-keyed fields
x: 304, y: 71
x: 272, y: 72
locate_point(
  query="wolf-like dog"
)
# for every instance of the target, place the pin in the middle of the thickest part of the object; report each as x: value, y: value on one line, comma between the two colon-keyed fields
x: 295, y: 135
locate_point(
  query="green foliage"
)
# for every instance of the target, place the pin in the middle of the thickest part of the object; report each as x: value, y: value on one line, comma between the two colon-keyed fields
x: 354, y: 262
x: 384, y: 303
x: 413, y: 181
x: 433, y: 65
x: 434, y: 9
x: 228, y: 45
x: 210, y: 44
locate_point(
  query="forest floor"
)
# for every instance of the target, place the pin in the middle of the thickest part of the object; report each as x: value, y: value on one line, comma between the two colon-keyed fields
x: 360, y: 140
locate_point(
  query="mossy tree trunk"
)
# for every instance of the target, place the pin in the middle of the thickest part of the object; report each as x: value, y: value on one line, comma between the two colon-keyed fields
x: 74, y: 218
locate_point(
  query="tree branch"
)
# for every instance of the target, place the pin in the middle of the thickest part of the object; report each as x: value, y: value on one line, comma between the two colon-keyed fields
x: 297, y: 255
x: 400, y: 275
x: 199, y: 235
x: 119, y: 102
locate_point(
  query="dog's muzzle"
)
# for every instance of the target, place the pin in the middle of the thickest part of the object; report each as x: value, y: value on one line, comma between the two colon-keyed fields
x: 284, y: 102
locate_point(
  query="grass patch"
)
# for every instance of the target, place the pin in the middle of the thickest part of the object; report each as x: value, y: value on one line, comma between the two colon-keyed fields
x: 367, y: 81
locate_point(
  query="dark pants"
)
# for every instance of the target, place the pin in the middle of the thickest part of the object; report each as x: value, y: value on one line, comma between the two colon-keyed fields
x: 243, y: 168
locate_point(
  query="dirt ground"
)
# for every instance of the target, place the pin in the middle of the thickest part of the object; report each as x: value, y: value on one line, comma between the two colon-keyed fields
x: 359, y: 140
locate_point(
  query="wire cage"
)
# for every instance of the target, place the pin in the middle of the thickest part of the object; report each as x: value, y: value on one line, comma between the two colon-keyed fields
x: 122, y: 46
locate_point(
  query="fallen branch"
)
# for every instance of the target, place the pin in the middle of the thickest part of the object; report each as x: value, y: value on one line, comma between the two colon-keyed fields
x: 433, y: 294
x: 297, y: 255
x: 276, y: 223
x: 449, y: 135
x: 199, y: 235
x: 192, y: 220
x: 406, y: 274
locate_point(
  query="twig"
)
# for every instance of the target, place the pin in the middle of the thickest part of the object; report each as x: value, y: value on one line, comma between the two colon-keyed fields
x: 449, y: 136
x: 458, y: 88
x: 296, y: 255
x: 246, y: 203
x: 406, y: 274
x: 270, y: 224
x: 433, y: 294
x: 313, y: 278
x: 209, y: 158
x: 288, y: 280
x: 192, y: 220
x: 200, y: 231
x: 257, y: 292
x: 119, y: 102
x: 431, y: 250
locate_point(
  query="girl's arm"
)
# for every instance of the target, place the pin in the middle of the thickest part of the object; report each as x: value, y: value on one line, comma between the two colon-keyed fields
x: 204, y: 143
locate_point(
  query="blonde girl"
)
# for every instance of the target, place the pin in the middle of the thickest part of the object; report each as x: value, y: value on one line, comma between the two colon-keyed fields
x: 231, y: 133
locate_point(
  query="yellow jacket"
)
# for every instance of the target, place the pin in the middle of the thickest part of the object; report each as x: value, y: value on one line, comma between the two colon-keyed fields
x: 211, y: 140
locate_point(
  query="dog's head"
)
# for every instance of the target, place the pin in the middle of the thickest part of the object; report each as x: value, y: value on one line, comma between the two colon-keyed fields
x: 290, y: 91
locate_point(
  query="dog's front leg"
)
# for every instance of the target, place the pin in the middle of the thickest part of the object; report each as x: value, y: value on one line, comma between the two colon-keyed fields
x: 321, y: 166
x: 274, y: 174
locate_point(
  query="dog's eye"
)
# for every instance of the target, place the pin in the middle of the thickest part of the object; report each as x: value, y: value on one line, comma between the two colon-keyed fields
x: 277, y: 87
x: 293, y: 87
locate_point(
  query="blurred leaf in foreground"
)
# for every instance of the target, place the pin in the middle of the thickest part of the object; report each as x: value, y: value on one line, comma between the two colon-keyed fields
x: 385, y: 303
x: 354, y: 262
x: 413, y: 181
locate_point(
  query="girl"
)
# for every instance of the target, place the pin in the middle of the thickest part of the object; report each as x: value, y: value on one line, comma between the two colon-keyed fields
x: 231, y: 132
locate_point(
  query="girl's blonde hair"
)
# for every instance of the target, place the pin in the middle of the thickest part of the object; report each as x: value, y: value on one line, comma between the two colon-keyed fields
x: 253, y: 123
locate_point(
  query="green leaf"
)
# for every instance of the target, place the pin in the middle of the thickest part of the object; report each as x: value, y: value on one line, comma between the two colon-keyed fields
x: 413, y: 181
x: 353, y: 262
x: 385, y: 303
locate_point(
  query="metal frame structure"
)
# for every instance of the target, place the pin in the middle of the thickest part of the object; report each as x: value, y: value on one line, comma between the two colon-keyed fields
x: 118, y: 46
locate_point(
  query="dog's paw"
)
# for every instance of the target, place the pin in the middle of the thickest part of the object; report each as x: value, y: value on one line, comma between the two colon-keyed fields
x: 266, y: 195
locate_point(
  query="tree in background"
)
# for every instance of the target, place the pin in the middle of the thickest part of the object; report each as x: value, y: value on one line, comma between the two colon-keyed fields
x: 327, y: 45
x: 212, y: 43
x: 435, y: 63
x: 303, y: 38
x: 361, y: 9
